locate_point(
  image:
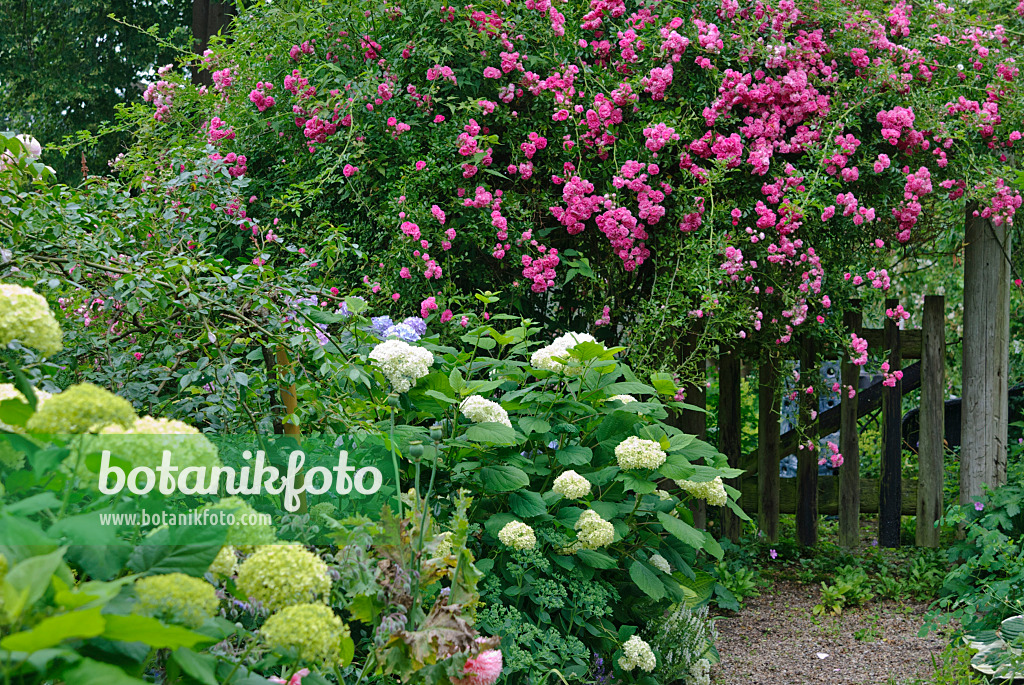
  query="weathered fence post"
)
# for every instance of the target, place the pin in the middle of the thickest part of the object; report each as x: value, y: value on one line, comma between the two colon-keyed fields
x: 729, y: 427
x: 985, y: 356
x: 932, y: 424
x: 768, y: 438
x: 890, y: 494
x: 807, y: 458
x: 849, y: 441
x: 695, y: 422
x: 289, y: 399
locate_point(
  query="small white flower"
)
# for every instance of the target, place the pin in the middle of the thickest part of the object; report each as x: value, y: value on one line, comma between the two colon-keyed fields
x: 625, y: 399
x: 544, y: 357
x: 518, y: 535
x: 571, y: 485
x: 594, y: 531
x: 636, y: 653
x: 402, y: 363
x: 661, y: 563
x: 480, y: 410
x: 637, y: 453
x: 713, y: 491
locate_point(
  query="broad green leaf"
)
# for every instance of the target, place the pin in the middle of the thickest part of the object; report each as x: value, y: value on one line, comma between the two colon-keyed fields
x: 712, y: 547
x: 629, y: 388
x: 647, y: 580
x: 188, y: 550
x: 531, y: 424
x: 681, y: 530
x: 597, y: 559
x: 202, y: 667
x: 491, y: 433
x: 30, y: 578
x: 89, y: 672
x: 151, y: 632
x: 503, y: 478
x: 574, y: 455
x: 55, y: 629
x: 527, y: 504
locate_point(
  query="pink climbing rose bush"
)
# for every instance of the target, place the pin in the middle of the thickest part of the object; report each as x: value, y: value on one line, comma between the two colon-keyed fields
x: 771, y: 158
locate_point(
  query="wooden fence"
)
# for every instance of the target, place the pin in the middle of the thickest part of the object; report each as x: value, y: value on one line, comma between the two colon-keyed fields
x: 765, y: 495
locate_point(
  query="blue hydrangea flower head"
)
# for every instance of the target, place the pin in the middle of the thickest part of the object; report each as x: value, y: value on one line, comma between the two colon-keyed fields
x: 381, y: 324
x: 417, y: 324
x: 402, y: 331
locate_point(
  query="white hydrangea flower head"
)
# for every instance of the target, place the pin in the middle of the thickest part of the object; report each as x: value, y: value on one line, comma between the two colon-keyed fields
x: 571, y: 485
x: 713, y: 491
x: 661, y: 563
x: 593, y: 531
x: 637, y: 453
x: 700, y: 672
x: 637, y: 653
x: 518, y: 535
x: 663, y: 495
x: 544, y: 358
x: 25, y: 316
x: 402, y: 363
x: 480, y: 410
x: 625, y: 399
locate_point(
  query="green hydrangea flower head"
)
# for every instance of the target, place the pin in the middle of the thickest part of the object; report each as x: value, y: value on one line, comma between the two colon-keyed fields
x: 25, y: 316
x: 280, y: 576
x: 313, y: 630
x: 81, y: 409
x: 177, y: 598
x: 245, y: 536
x: 225, y: 564
x: 144, y: 442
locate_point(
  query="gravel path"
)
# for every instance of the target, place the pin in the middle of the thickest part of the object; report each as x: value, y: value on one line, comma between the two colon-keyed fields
x: 776, y: 640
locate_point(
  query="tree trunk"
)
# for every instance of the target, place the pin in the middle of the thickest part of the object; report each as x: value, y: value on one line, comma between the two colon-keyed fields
x: 208, y: 19
x: 985, y: 357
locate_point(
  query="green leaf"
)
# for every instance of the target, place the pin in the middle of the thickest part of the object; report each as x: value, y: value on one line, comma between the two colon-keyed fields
x: 702, y: 588
x: 629, y: 388
x: 151, y: 632
x: 89, y: 672
x: 440, y: 396
x: 531, y: 424
x: 647, y: 580
x: 632, y: 482
x: 712, y: 547
x: 28, y: 580
x: 34, y: 504
x: 456, y: 380
x: 202, y: 667
x: 55, y: 629
x: 597, y: 559
x: 188, y: 550
x: 491, y: 433
x: 681, y: 530
x: 574, y: 455
x: 527, y: 504
x: 503, y: 478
